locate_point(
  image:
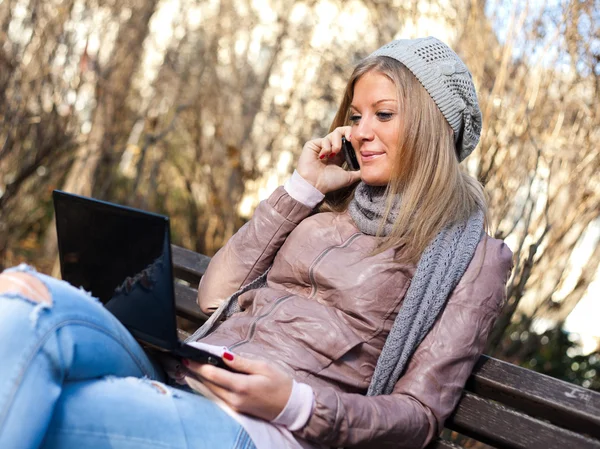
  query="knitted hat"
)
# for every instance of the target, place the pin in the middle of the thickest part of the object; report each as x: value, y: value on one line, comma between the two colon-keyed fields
x: 447, y: 80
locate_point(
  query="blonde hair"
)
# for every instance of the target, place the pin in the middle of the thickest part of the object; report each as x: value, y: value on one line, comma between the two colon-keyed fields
x: 434, y: 189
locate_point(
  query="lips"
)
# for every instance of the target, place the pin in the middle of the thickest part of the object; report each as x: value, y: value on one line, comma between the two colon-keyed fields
x: 367, y: 156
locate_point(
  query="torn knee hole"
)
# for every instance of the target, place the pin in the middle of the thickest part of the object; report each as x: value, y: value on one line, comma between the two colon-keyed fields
x: 161, y: 389
x: 26, y: 285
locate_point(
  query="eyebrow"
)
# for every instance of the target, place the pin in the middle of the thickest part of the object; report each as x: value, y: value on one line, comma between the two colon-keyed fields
x: 377, y: 102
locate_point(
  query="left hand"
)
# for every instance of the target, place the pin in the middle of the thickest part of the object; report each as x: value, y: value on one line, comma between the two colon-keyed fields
x: 262, y: 391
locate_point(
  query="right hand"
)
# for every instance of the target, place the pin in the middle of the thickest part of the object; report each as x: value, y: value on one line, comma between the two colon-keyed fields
x: 320, y: 161
x: 257, y: 388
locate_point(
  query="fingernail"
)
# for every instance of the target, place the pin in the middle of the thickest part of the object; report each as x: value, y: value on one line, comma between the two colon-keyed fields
x: 350, y: 137
x: 322, y: 156
x: 228, y: 356
x: 186, y: 362
x: 331, y: 155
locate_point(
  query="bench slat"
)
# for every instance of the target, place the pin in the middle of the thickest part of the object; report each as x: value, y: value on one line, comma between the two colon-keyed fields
x: 443, y: 444
x: 495, y: 424
x: 186, y: 304
x: 560, y: 402
x: 188, y: 265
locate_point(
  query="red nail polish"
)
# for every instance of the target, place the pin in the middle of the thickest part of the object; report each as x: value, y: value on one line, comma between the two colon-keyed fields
x: 186, y: 362
x: 350, y: 137
x: 331, y: 155
x: 228, y: 356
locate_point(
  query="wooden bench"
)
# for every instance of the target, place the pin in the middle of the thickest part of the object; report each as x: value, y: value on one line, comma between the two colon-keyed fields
x: 503, y: 405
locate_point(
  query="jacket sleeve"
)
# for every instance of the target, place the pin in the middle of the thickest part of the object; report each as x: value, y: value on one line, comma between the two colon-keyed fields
x: 250, y: 251
x: 433, y: 382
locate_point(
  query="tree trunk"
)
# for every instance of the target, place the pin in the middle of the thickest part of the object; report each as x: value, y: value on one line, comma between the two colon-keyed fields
x: 112, y: 89
x: 112, y: 93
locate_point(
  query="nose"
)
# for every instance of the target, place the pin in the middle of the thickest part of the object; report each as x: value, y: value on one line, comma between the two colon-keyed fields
x: 364, y: 130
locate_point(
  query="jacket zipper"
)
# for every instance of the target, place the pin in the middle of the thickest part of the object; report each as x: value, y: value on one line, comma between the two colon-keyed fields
x: 313, y: 282
x: 311, y: 270
x: 253, y: 325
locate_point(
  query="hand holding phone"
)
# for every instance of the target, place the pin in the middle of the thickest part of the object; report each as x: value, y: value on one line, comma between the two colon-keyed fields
x: 204, y: 353
x: 321, y: 161
x: 350, y: 155
x: 260, y: 388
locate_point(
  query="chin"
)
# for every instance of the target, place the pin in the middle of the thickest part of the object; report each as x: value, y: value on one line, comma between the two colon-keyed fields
x: 375, y: 180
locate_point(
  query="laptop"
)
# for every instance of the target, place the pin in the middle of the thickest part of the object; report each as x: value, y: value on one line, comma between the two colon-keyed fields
x: 123, y: 257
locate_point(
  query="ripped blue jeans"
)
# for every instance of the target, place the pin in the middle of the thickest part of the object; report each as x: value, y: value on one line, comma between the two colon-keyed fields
x: 71, y: 376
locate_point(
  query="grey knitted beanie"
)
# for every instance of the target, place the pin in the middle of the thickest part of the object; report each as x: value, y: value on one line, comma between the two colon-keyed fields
x: 447, y: 80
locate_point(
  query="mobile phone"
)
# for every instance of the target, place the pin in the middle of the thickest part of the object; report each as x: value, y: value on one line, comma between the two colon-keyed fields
x: 200, y: 356
x: 198, y: 353
x: 350, y: 155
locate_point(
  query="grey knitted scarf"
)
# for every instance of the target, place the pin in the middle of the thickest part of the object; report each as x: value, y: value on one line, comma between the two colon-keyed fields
x: 367, y: 209
x: 441, y: 266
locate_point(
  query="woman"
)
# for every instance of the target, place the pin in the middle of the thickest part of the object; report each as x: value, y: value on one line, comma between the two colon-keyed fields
x: 354, y: 326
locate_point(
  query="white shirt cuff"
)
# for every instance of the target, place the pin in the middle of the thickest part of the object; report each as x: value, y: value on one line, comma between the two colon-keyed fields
x: 303, y: 191
x: 298, y: 408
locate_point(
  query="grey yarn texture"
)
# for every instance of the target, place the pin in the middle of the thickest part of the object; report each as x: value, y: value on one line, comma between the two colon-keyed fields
x: 439, y: 270
x: 447, y: 79
x: 368, y: 207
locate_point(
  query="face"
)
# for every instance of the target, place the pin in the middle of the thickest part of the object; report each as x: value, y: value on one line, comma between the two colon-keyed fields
x: 375, y: 121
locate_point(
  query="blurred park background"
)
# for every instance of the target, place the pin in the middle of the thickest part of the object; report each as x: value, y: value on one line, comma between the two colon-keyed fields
x: 199, y: 108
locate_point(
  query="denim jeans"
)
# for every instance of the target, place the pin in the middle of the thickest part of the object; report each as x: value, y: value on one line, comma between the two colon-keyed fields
x: 71, y: 376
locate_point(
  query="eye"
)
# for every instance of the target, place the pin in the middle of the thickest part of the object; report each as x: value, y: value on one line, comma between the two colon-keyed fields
x: 385, y: 116
x: 354, y: 118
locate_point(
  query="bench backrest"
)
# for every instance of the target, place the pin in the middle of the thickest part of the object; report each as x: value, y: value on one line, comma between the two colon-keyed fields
x: 503, y: 405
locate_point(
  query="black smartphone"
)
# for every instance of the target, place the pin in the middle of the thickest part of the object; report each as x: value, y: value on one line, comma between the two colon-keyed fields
x: 350, y: 155
x: 200, y: 356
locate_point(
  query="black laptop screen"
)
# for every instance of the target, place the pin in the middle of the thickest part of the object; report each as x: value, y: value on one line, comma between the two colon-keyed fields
x: 122, y: 256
